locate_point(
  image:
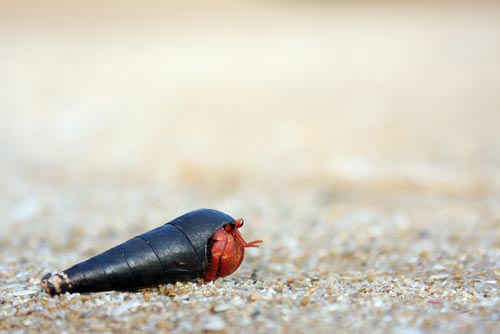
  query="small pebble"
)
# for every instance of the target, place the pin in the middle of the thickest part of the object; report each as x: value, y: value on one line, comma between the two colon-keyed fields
x: 220, y: 307
x: 214, y: 324
x: 254, y: 296
x: 27, y: 292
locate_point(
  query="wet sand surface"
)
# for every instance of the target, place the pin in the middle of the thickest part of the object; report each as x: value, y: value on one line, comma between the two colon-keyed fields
x: 360, y: 142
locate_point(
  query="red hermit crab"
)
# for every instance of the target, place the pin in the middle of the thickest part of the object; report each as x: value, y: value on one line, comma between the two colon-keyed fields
x: 203, y: 243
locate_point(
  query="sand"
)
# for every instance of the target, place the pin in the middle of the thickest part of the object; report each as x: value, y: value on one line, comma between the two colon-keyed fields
x: 359, y: 142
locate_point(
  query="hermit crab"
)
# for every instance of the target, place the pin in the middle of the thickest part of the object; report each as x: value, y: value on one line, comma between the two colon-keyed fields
x: 204, y: 243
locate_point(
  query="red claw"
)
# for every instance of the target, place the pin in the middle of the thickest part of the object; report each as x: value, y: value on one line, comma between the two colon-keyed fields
x: 228, y: 250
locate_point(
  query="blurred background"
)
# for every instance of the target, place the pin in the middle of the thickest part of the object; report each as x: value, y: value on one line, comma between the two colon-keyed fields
x: 125, y: 114
x: 359, y: 139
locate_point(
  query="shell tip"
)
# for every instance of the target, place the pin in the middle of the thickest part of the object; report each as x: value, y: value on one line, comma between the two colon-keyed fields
x: 47, y: 284
x: 55, y: 284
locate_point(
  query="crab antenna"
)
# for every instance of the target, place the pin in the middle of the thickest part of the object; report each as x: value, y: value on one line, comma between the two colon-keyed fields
x: 238, y: 236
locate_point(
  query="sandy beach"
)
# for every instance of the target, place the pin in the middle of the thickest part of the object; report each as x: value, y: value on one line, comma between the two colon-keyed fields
x: 360, y: 142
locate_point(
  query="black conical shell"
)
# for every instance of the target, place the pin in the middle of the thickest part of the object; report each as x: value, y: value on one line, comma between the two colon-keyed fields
x: 172, y: 252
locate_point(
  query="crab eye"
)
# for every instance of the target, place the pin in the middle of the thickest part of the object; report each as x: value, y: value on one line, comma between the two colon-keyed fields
x: 239, y: 223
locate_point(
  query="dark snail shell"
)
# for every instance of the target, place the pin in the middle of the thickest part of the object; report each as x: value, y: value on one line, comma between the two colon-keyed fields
x: 176, y: 251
